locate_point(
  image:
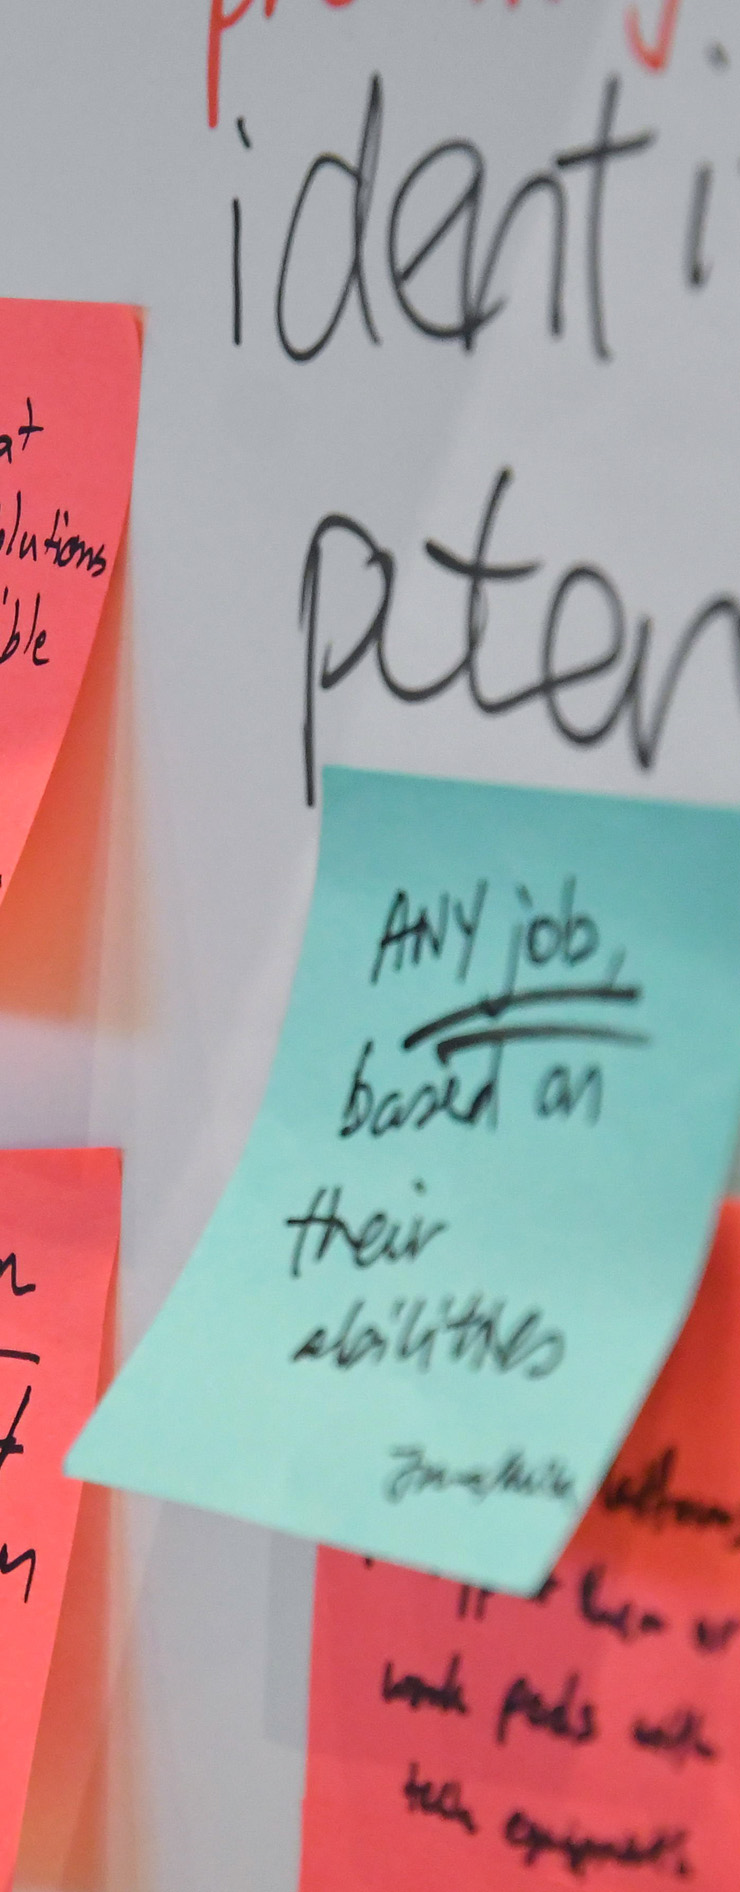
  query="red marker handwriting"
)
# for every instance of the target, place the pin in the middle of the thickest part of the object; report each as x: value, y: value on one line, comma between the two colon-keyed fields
x: 218, y: 25
x: 657, y: 54
x: 654, y: 54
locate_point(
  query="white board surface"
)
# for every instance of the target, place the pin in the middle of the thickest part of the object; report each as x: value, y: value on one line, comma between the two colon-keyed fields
x: 175, y: 901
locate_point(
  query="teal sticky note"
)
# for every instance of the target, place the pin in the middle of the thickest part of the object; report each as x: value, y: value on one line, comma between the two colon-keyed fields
x: 475, y: 1205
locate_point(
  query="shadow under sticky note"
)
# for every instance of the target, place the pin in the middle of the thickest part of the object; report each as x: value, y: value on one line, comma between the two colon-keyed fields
x: 474, y: 1207
x: 70, y: 394
x: 590, y: 1735
x: 59, y: 1225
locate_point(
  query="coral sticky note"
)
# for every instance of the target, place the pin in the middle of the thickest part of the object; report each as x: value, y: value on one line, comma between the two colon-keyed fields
x: 589, y: 1736
x: 59, y: 1225
x: 69, y: 394
x: 476, y: 1203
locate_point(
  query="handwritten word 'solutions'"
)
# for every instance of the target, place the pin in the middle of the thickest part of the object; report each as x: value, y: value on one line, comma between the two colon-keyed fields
x: 25, y: 541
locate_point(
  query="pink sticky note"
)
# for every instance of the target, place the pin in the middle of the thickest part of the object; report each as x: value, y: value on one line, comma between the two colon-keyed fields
x: 589, y: 1737
x: 69, y: 393
x: 59, y: 1225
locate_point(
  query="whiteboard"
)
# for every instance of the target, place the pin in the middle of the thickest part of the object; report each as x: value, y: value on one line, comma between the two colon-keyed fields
x: 148, y: 941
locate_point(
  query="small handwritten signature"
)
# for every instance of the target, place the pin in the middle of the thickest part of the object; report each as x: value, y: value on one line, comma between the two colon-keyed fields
x: 415, y: 1473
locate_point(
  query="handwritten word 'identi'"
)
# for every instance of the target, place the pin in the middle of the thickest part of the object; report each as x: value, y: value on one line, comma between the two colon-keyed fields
x: 651, y: 51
